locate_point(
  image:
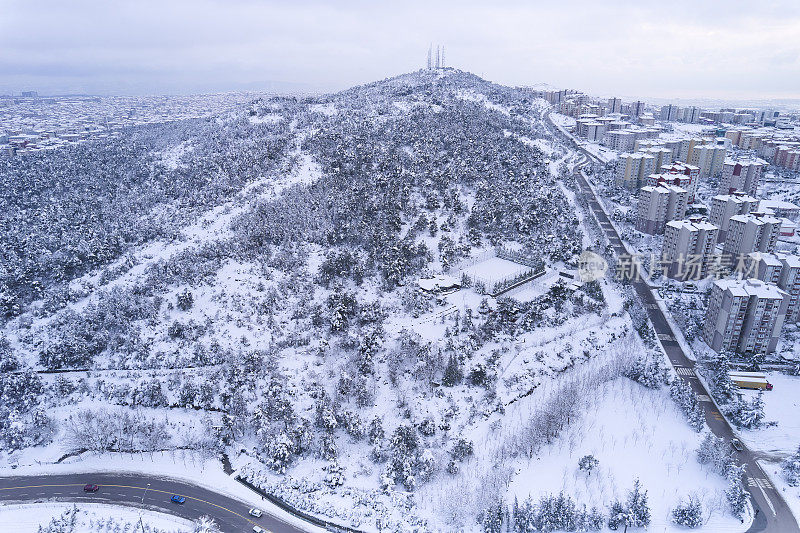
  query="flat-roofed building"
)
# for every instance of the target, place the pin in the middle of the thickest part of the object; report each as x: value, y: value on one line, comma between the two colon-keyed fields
x: 754, y: 232
x: 724, y: 206
x: 745, y: 316
x: 658, y: 205
x: 740, y: 176
x: 688, y: 248
x: 632, y: 169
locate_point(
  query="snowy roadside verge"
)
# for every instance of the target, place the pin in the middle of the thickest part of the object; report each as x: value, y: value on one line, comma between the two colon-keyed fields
x: 29, y: 517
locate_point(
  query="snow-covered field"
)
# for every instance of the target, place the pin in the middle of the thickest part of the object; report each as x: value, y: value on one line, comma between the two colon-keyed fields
x: 633, y: 432
x: 494, y: 268
x: 89, y: 518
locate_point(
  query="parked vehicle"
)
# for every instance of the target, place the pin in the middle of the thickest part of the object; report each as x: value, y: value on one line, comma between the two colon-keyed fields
x: 178, y: 499
x: 750, y: 380
x: 255, y: 512
x: 257, y: 529
x: 91, y: 488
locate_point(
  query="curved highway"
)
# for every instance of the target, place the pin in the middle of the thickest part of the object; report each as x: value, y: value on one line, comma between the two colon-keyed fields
x: 141, y: 491
x: 772, y: 512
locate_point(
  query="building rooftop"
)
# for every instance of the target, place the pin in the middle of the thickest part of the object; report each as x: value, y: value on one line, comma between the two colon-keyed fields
x: 750, y: 287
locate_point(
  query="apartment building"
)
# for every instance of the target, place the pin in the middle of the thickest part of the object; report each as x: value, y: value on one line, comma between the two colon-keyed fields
x: 614, y: 105
x: 782, y: 270
x: 688, y: 170
x: 595, y: 131
x: 741, y: 176
x: 688, y: 248
x: 754, y: 232
x: 658, y: 205
x: 662, y: 155
x: 709, y: 158
x: 632, y: 169
x: 745, y: 316
x: 621, y: 140
x: 724, y: 206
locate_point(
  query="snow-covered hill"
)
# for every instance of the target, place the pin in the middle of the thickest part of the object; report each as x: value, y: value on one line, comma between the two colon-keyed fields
x: 249, y: 285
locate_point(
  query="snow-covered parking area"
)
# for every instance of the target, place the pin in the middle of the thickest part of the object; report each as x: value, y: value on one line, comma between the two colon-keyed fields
x: 782, y: 406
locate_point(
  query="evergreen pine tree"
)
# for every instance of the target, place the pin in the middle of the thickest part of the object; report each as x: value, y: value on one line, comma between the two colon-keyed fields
x: 452, y: 372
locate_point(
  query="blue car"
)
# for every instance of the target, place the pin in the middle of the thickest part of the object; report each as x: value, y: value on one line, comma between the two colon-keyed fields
x: 177, y: 499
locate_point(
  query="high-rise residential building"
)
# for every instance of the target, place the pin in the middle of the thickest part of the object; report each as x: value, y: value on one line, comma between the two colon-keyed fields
x: 621, y: 140
x: 782, y: 270
x: 790, y: 282
x: 614, y: 105
x: 764, y: 266
x: 595, y: 131
x: 754, y: 232
x: 658, y: 205
x: 632, y: 169
x: 662, y: 155
x: 724, y: 206
x: 688, y: 248
x: 745, y: 316
x: 636, y: 108
x: 688, y: 170
x: 692, y: 114
x: 710, y: 159
x: 669, y: 113
x: 740, y: 176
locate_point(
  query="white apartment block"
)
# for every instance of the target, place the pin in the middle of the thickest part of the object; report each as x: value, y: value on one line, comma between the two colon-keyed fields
x: 662, y: 155
x: 782, y: 270
x: 614, y: 105
x: 688, y: 247
x: 691, y: 114
x: 754, y: 232
x: 745, y: 316
x: 670, y: 112
x: 620, y: 140
x: 595, y: 131
x: 740, y: 176
x: 724, y: 206
x: 632, y: 169
x: 710, y: 159
x: 658, y: 205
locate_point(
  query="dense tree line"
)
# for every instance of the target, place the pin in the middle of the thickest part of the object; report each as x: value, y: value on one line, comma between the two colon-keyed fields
x: 64, y: 212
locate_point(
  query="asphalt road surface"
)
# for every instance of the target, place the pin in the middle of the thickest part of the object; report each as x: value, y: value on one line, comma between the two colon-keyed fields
x: 140, y: 491
x: 773, y: 513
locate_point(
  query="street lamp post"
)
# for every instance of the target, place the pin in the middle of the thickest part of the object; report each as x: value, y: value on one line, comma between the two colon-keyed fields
x: 141, y: 522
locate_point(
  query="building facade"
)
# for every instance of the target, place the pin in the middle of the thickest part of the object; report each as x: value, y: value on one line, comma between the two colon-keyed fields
x: 740, y: 176
x: 658, y: 205
x: 724, y: 206
x: 754, y: 232
x: 744, y: 316
x: 688, y: 248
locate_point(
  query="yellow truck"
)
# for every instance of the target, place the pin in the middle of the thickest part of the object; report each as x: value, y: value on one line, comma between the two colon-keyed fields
x: 750, y: 380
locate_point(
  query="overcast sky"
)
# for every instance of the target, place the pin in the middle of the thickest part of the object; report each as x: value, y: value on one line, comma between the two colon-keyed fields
x: 668, y: 48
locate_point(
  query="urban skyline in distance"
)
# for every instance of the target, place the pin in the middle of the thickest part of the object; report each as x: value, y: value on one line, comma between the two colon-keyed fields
x: 623, y: 48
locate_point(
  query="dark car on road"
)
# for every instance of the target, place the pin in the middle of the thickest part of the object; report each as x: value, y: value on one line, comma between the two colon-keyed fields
x: 91, y: 487
x: 177, y: 499
x: 737, y: 445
